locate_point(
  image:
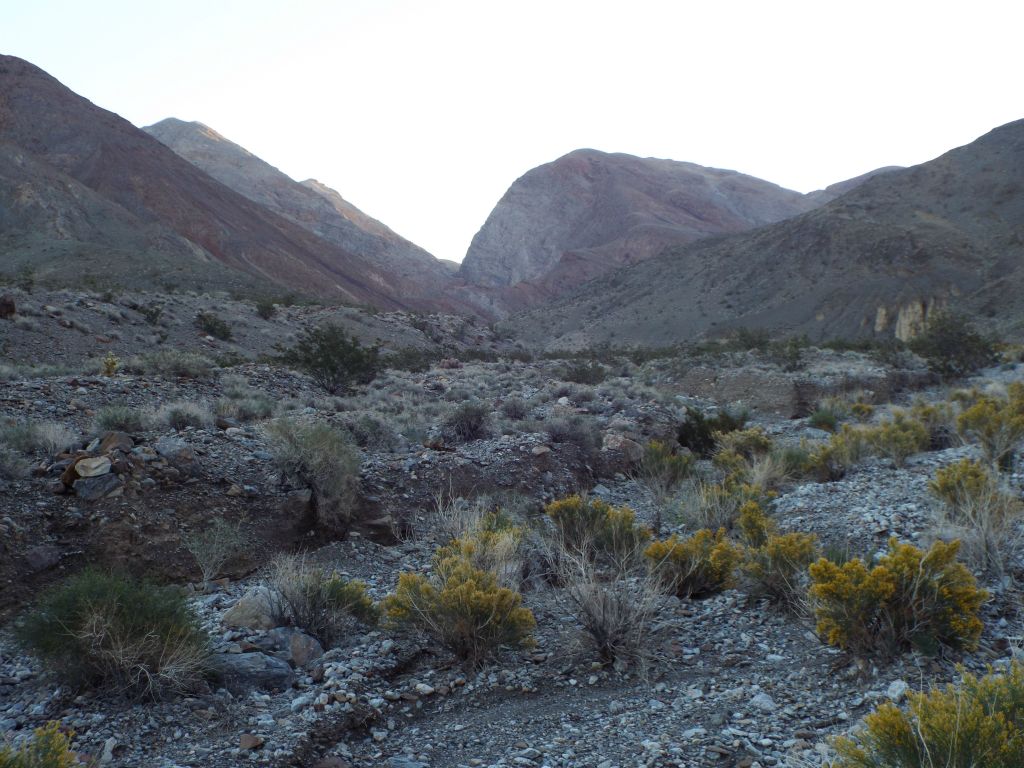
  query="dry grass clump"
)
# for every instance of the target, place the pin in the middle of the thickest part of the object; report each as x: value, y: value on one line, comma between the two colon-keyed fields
x: 470, y: 421
x: 214, y: 546
x: 182, y: 414
x: 171, y: 363
x: 318, y: 600
x: 29, y: 437
x: 119, y: 418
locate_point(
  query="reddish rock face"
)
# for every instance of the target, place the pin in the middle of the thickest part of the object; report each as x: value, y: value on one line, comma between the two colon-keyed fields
x: 50, y: 134
x: 588, y: 213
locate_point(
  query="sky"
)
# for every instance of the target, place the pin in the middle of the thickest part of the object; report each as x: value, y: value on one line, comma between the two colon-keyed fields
x: 422, y: 113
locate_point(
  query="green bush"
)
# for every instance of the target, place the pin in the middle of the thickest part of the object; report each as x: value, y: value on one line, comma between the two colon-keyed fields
x: 911, y: 599
x: 335, y: 360
x: 977, y: 723
x: 213, y: 325
x: 265, y: 308
x: 585, y: 373
x: 111, y: 631
x: 322, y: 459
x: 953, y: 347
x: 698, y: 432
x: 49, y: 747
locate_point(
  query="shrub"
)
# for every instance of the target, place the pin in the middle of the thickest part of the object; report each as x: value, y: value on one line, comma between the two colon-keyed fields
x: 49, y: 747
x: 775, y: 565
x: 911, y: 599
x: 151, y: 313
x: 576, y: 430
x: 594, y: 528
x: 12, y: 466
x: 470, y: 421
x: 212, y: 547
x: 463, y: 608
x: 99, y: 629
x: 899, y: 438
x: 997, y: 424
x: 110, y: 363
x: 952, y: 347
x: 490, y: 547
x: 29, y: 437
x: 317, y: 600
x: 748, y: 443
x: 832, y: 460
x: 661, y: 471
x: 515, y: 408
x: 120, y: 418
x: 183, y: 413
x: 697, y: 567
x: 332, y: 358
x: 717, y: 505
x: 939, y: 419
x: 977, y: 723
x: 213, y: 325
x: 697, y: 431
x: 171, y: 363
x: 265, y: 308
x: 979, y: 512
x: 824, y: 418
x: 782, y: 464
x: 585, y: 373
x: 373, y: 434
x: 863, y: 412
x: 322, y: 459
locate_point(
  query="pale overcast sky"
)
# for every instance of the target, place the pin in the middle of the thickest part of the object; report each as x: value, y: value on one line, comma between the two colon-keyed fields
x: 422, y: 113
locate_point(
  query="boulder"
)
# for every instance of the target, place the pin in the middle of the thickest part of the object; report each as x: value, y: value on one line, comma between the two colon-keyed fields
x: 42, y: 557
x: 291, y: 645
x: 8, y: 308
x: 177, y: 453
x: 631, y: 450
x: 243, y: 672
x: 116, y: 441
x: 92, y: 466
x: 95, y: 488
x: 252, y: 611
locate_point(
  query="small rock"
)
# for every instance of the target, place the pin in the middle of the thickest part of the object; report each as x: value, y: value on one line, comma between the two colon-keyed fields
x: 763, y: 702
x: 249, y: 742
x: 896, y: 691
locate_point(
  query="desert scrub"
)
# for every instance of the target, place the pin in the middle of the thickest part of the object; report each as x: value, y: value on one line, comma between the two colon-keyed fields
x: 979, y: 722
x: 832, y: 460
x: 515, y: 408
x: 29, y: 437
x: 493, y: 545
x: 661, y: 471
x: 119, y: 418
x: 470, y: 421
x: 717, y: 505
x: 952, y: 347
x: 214, y: 546
x: 213, y: 325
x: 697, y: 567
x: 12, y: 465
x: 171, y: 363
x: 109, y: 364
x: 106, y: 630
x: 373, y: 434
x: 997, y: 425
x: 899, y: 438
x: 182, y: 414
x: 939, y: 419
x: 594, y: 528
x: 332, y: 358
x: 697, y: 431
x: 576, y: 430
x: 318, y: 600
x: 774, y: 566
x: 978, y: 510
x: 748, y: 443
x: 463, y: 608
x: 585, y: 373
x: 49, y: 747
x: 322, y: 459
x: 911, y: 599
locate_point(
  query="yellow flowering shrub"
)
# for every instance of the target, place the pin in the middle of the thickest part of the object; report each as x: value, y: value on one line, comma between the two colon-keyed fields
x: 862, y: 412
x: 754, y: 525
x: 490, y: 549
x: 594, y: 526
x: 699, y: 566
x: 939, y: 419
x: 49, y: 747
x: 899, y: 438
x: 959, y: 483
x: 748, y: 443
x: 777, y: 568
x: 977, y: 723
x: 463, y: 608
x: 912, y: 598
x: 832, y: 460
x: 997, y: 425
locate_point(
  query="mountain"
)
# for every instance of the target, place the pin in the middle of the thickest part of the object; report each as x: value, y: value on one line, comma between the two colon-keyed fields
x: 150, y: 196
x: 875, y: 261
x: 590, y: 212
x: 309, y: 204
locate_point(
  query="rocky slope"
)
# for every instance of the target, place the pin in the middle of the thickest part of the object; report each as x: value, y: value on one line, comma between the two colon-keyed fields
x: 309, y: 204
x: 589, y: 212
x: 193, y: 217
x: 875, y: 261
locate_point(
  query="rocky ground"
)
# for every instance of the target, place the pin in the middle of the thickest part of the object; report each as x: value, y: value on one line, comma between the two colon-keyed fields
x: 730, y: 680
